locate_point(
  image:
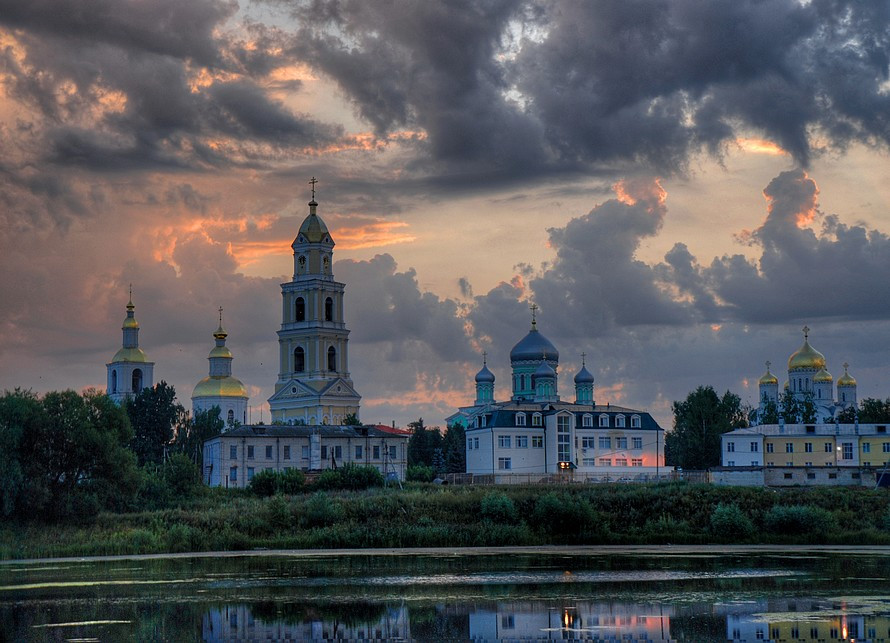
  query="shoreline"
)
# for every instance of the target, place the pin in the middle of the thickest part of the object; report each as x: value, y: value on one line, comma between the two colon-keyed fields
x: 551, y: 550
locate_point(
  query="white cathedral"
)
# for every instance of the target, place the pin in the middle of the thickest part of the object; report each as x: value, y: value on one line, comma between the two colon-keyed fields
x: 809, y: 379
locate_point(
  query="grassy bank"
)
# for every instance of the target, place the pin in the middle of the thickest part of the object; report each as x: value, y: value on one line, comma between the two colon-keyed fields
x: 431, y: 516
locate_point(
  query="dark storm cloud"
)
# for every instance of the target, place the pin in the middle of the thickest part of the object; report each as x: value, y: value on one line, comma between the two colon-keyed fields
x: 388, y: 306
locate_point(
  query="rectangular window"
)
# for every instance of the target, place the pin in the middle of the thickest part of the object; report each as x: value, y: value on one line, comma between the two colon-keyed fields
x: 848, y: 450
x: 605, y: 462
x: 866, y: 447
x: 304, y: 452
x: 789, y: 447
x: 808, y: 464
x: 808, y: 447
x: 505, y: 464
x: 811, y: 476
x: 730, y: 447
x: 338, y: 452
x: 392, y: 453
x: 588, y: 442
x: 233, y: 474
x: 475, y: 443
x: 604, y: 421
x: 886, y: 447
x: 622, y: 443
x: 769, y: 447
x: 521, y: 441
x: 563, y: 439
x: 605, y: 443
x: 324, y: 453
x: 503, y: 441
x: 536, y: 419
x: 537, y: 441
x: 731, y: 463
x: 587, y: 420
x: 250, y: 452
x: 249, y: 474
x: 787, y: 476
x: 755, y: 447
x: 637, y: 443
x: 268, y: 452
x: 636, y: 462
x: 589, y: 462
x: 520, y: 419
x: 233, y: 452
x: 287, y: 452
x: 789, y: 464
x: 828, y: 447
x: 470, y: 443
x: 376, y: 452
x: 620, y: 462
x: 358, y: 452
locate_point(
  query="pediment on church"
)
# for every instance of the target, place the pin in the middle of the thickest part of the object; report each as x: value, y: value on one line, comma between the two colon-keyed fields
x: 339, y: 387
x: 294, y: 389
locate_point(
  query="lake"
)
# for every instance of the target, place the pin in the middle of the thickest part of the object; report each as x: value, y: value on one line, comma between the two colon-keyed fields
x: 599, y: 594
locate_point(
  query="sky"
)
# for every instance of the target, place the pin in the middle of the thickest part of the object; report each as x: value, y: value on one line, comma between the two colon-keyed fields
x: 679, y: 186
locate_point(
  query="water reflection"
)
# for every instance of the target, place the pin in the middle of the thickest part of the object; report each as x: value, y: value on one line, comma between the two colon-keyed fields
x: 825, y: 597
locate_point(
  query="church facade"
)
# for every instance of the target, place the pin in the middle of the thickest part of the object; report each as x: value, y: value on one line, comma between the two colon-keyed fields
x: 129, y: 371
x: 314, y: 385
x: 535, y: 432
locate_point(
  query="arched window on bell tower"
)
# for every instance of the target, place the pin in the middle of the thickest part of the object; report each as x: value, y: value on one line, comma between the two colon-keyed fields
x: 332, y: 359
x: 300, y: 309
x: 137, y: 381
x: 299, y: 359
x: 329, y: 309
x: 114, y: 381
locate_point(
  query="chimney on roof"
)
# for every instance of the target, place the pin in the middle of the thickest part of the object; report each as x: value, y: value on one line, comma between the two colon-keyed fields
x: 393, y: 424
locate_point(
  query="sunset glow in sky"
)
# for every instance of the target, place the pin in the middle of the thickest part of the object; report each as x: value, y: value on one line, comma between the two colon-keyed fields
x: 679, y: 186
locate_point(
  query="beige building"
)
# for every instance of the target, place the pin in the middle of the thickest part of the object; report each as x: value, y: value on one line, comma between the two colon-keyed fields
x: 231, y: 459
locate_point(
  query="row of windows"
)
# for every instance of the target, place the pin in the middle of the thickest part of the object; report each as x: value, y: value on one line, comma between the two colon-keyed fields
x: 300, y: 309
x: 300, y: 359
x: 586, y: 420
x: 607, y: 462
x: 604, y: 442
x: 336, y: 451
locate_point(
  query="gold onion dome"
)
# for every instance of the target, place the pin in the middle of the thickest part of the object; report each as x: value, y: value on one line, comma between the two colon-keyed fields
x: 216, y: 386
x: 823, y: 376
x: 768, y: 378
x: 806, y: 357
x: 846, y: 379
x: 313, y: 228
x: 130, y: 320
x: 129, y: 355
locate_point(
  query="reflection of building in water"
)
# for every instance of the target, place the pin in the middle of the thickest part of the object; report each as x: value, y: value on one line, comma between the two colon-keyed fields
x: 238, y: 623
x: 805, y: 620
x: 573, y: 621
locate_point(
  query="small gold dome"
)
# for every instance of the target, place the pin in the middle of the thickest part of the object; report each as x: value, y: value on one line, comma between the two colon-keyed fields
x: 130, y: 322
x: 806, y: 357
x: 787, y: 385
x: 823, y: 376
x: 846, y: 379
x: 220, y: 351
x: 314, y: 229
x: 219, y: 387
x: 129, y: 355
x: 768, y: 378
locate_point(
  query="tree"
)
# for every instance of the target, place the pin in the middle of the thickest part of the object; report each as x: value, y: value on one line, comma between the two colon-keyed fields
x: 191, y: 435
x: 799, y: 408
x: 351, y: 420
x: 153, y: 413
x: 455, y: 449
x: 871, y: 411
x: 423, y: 443
x: 699, y: 421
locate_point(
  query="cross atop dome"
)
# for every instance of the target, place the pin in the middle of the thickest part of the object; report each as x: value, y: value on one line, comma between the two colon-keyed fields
x: 534, y: 309
x: 583, y: 360
x: 312, y: 182
x: 806, y: 332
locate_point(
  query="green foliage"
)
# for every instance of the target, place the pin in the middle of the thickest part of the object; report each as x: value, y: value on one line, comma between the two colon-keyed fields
x: 424, y: 444
x: 497, y: 507
x: 731, y: 523
x: 797, y: 520
x: 798, y: 409
x: 350, y: 476
x: 562, y: 514
x: 321, y: 511
x: 278, y: 512
x: 182, y: 476
x: 770, y: 413
x: 454, y: 448
x: 191, y: 434
x: 699, y: 421
x: 419, y: 473
x: 871, y: 411
x: 268, y: 482
x: 153, y: 414
x: 351, y: 420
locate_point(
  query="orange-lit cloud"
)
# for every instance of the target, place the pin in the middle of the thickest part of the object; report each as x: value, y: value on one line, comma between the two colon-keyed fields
x: 367, y: 142
x: 760, y: 146
x: 372, y: 235
x: 630, y: 191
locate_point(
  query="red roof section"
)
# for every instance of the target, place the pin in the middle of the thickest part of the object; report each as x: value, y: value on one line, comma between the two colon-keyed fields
x: 391, y: 429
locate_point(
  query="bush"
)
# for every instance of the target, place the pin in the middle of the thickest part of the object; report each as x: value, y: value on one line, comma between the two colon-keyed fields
x: 321, y: 511
x: 278, y: 512
x: 498, y: 508
x: 731, y: 522
x: 268, y: 482
x: 420, y: 473
x: 798, y: 520
x: 350, y: 476
x: 182, y: 476
x: 563, y: 515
